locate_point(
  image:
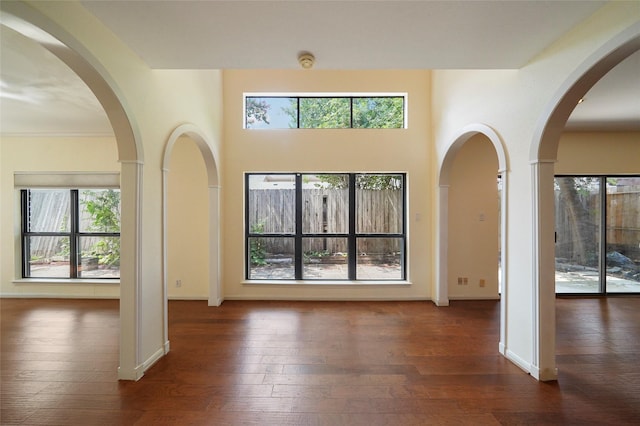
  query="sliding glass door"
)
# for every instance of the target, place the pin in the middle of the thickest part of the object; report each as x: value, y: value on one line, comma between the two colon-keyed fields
x: 623, y: 235
x: 597, y: 234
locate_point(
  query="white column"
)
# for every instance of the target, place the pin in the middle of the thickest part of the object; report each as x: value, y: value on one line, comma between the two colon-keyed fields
x: 502, y: 345
x: 543, y: 365
x: 130, y: 367
x: 215, y: 291
x: 442, y: 286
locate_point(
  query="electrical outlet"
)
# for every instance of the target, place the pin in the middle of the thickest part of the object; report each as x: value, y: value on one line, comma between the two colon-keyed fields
x: 178, y: 283
x: 482, y: 282
x: 465, y: 281
x: 459, y: 280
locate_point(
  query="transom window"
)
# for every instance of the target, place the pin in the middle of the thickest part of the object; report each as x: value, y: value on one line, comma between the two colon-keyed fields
x: 70, y: 233
x: 327, y: 112
x: 337, y: 226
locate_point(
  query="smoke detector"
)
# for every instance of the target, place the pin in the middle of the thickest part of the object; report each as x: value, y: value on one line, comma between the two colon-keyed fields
x: 306, y: 60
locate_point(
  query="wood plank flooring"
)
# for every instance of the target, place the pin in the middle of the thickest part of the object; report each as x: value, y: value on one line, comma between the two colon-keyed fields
x: 316, y: 363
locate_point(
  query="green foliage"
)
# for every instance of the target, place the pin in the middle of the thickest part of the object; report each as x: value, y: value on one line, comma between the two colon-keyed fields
x: 257, y: 249
x: 104, y: 210
x: 257, y: 111
x: 364, y: 181
x: 333, y: 112
x: 324, y: 113
x: 378, y: 113
x: 308, y: 255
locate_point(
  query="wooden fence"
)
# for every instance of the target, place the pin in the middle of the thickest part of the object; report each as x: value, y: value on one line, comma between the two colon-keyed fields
x: 327, y: 211
x: 622, y: 224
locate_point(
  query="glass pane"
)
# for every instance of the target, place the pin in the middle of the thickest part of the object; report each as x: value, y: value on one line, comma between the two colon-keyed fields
x: 271, y: 258
x: 378, y: 113
x: 325, y: 204
x: 271, y: 206
x: 379, y: 208
x: 325, y: 113
x: 577, y: 234
x: 271, y: 113
x: 379, y: 259
x: 49, y: 210
x: 623, y: 235
x: 99, y: 210
x: 49, y: 257
x: 324, y: 259
x: 99, y: 257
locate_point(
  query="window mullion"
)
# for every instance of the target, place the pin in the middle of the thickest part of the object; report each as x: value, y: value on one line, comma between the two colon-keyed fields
x: 74, y: 255
x: 351, y: 240
x: 602, y: 246
x: 298, y: 236
x: 26, y: 240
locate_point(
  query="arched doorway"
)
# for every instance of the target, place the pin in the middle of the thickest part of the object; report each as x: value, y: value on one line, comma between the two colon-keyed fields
x: 543, y: 154
x: 182, y: 143
x: 441, y: 296
x: 34, y: 25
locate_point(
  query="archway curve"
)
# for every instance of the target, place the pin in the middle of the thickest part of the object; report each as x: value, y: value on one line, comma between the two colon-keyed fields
x: 544, y: 145
x: 543, y: 154
x: 38, y: 27
x: 193, y: 133
x: 457, y: 141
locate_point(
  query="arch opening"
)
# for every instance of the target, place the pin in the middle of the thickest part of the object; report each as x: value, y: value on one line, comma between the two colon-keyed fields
x: 543, y: 154
x: 184, y: 146
x: 447, y: 178
x: 41, y: 29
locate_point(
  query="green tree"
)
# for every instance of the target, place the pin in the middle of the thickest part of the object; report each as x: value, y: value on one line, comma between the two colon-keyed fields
x: 321, y: 113
x: 378, y: 113
x: 257, y: 110
x: 104, y: 209
x: 365, y: 181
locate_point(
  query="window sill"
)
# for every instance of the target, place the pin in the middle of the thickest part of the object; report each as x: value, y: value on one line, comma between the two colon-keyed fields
x: 104, y: 281
x: 345, y: 283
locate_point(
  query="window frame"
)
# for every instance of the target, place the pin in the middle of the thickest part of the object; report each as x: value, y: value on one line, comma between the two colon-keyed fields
x: 352, y: 235
x: 603, y: 242
x: 74, y: 234
x: 313, y: 95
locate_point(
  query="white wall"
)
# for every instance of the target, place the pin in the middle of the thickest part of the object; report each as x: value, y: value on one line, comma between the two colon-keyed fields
x: 515, y: 103
x: 599, y: 153
x: 188, y: 224
x: 331, y: 150
x: 53, y: 154
x: 473, y: 221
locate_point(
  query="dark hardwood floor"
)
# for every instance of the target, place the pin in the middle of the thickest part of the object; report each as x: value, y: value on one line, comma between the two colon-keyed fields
x: 316, y: 363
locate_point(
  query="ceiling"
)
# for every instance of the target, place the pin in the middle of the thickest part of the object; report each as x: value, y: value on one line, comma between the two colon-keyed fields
x: 40, y: 95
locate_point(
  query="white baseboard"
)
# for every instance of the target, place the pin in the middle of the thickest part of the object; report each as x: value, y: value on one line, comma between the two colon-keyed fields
x: 330, y: 299
x: 544, y: 375
x: 474, y: 298
x: 502, y: 349
x: 135, y: 375
x: 524, y: 365
x: 54, y: 296
x: 154, y: 358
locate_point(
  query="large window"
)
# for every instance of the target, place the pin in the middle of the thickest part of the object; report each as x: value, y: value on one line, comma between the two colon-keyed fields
x: 339, y: 226
x: 597, y: 234
x: 70, y: 233
x: 327, y: 112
